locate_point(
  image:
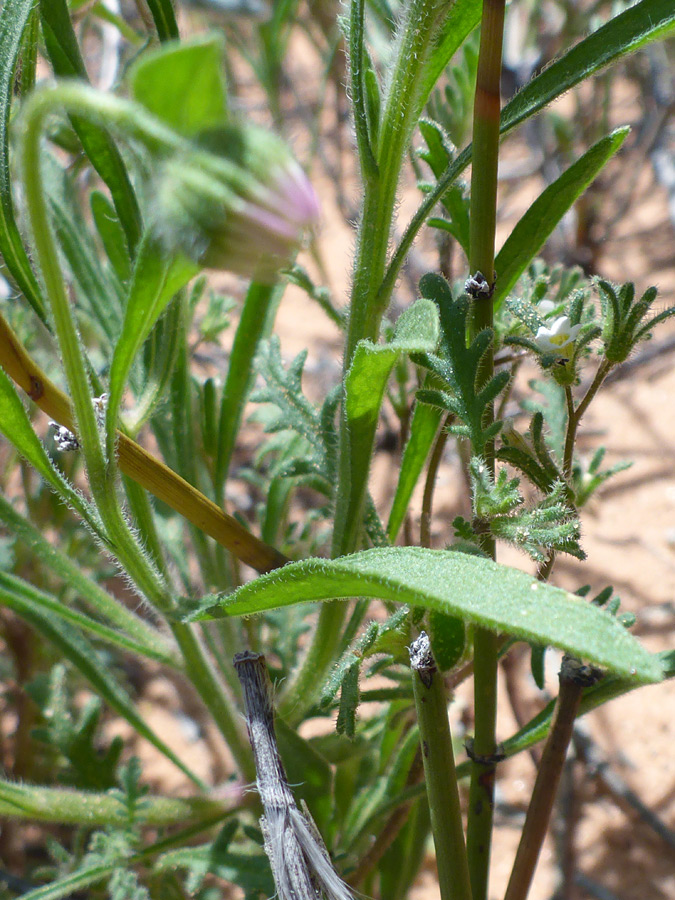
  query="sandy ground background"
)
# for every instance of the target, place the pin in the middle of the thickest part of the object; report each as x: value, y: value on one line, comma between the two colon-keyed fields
x: 629, y: 534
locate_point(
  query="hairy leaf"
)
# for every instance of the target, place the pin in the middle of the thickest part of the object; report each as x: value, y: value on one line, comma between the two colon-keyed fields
x: 479, y: 590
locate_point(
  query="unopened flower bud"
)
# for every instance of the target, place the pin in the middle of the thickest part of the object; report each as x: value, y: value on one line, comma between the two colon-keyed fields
x: 241, y: 205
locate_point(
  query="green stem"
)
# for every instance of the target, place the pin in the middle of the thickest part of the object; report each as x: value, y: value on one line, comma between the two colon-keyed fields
x: 573, y: 678
x: 439, y: 769
x: 129, y: 552
x: 69, y: 807
x: 481, y: 262
x: 574, y: 416
x: 368, y: 303
x: 430, y: 484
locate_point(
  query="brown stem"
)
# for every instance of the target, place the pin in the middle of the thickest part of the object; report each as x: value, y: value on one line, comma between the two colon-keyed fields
x: 573, y: 678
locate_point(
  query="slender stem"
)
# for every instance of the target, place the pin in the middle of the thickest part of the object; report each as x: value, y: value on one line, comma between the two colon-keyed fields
x: 575, y: 416
x: 429, y: 485
x: 439, y: 769
x: 570, y: 434
x: 482, y: 250
x: 573, y: 678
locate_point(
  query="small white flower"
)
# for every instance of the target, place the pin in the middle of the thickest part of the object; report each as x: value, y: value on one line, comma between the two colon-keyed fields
x: 546, y: 307
x: 5, y: 289
x: 558, y: 336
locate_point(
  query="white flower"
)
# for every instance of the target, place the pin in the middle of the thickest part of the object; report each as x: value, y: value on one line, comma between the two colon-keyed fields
x: 546, y: 307
x: 5, y: 289
x: 558, y: 336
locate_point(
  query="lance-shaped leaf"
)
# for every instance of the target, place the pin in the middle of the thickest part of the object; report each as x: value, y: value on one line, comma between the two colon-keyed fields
x: 424, y: 427
x: 417, y: 331
x: 478, y: 590
x: 156, y: 279
x: 16, y: 426
x: 541, y: 218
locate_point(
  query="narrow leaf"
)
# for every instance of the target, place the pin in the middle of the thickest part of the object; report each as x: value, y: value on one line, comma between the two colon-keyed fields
x: 13, y: 21
x: 478, y: 590
x: 255, y: 324
x: 164, y: 17
x: 155, y: 281
x: 16, y: 426
x: 535, y: 226
x: 463, y: 16
x: 77, y: 649
x: 66, y: 59
x: 15, y: 593
x: 423, y: 429
x: 647, y: 21
x: 417, y: 331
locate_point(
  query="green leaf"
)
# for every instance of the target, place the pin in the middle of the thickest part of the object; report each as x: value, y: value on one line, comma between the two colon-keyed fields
x: 462, y: 18
x: 647, y: 21
x: 96, y: 291
x: 155, y: 281
x: 66, y: 59
x: 478, y: 590
x: 71, y: 884
x: 535, y: 226
x: 457, y: 365
x: 77, y: 649
x: 424, y: 426
x: 15, y: 593
x: 88, y: 808
x: 111, y: 234
x: 13, y: 21
x: 183, y: 84
x: 255, y: 324
x: 417, y: 331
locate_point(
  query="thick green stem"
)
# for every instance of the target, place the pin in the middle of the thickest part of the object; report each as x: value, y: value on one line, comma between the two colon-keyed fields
x: 68, y: 807
x: 481, y: 265
x: 439, y: 769
x: 573, y: 678
x: 368, y: 304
